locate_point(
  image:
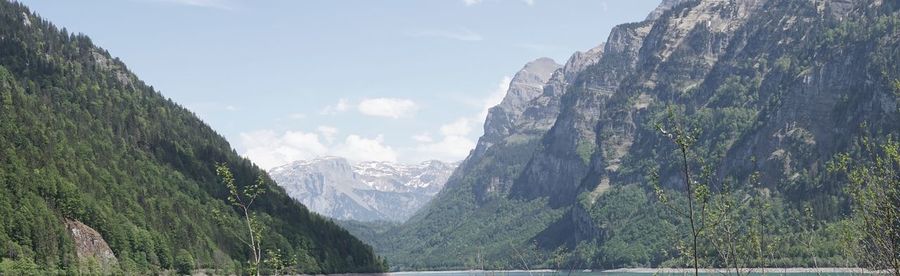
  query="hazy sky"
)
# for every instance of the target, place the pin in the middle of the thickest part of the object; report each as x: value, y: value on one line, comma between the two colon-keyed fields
x: 396, y: 80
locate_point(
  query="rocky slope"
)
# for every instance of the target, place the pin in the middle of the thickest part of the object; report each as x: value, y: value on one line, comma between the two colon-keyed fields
x: 512, y: 134
x: 775, y: 89
x: 366, y: 191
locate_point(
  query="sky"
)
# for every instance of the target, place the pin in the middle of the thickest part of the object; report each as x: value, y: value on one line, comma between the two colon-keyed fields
x: 392, y: 80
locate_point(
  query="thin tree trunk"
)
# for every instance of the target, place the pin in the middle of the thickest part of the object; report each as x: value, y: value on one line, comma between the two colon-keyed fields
x: 690, y: 191
x: 253, y: 245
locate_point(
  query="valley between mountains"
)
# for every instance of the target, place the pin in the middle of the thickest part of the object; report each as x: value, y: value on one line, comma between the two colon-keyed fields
x: 713, y: 135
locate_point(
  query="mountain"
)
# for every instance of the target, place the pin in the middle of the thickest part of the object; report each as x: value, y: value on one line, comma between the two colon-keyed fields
x: 101, y: 174
x: 365, y: 191
x: 773, y: 88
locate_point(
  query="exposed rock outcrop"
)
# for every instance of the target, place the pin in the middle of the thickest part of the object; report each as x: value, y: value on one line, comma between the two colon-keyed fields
x: 777, y: 87
x: 90, y: 247
x: 503, y: 120
x: 664, y: 6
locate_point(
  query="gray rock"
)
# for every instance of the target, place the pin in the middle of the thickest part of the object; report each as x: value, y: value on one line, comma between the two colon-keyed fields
x: 770, y: 97
x: 90, y: 246
x: 525, y: 86
x: 664, y: 6
x: 366, y: 191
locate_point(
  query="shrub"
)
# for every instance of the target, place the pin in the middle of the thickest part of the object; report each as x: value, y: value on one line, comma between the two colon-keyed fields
x: 184, y: 262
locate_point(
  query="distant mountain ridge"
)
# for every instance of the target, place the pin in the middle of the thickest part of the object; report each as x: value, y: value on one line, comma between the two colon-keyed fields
x: 364, y: 191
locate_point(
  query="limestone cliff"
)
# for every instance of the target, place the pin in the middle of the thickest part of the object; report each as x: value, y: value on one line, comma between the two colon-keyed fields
x: 773, y: 88
x: 90, y: 247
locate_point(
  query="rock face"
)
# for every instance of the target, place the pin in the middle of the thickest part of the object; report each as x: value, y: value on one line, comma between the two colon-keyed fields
x: 507, y: 128
x: 366, y: 191
x: 663, y: 7
x: 754, y: 75
x: 90, y: 246
x: 504, y: 119
x: 513, y: 132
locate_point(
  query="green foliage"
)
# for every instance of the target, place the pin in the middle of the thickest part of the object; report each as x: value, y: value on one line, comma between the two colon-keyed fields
x: 874, y: 185
x: 184, y: 262
x: 735, y: 91
x: 634, y: 231
x: 791, y: 214
x: 736, y: 229
x: 763, y: 96
x: 473, y: 242
x: 276, y: 263
x: 585, y: 150
x: 457, y: 221
x: 82, y: 138
x: 244, y: 200
x: 22, y: 266
x: 696, y: 191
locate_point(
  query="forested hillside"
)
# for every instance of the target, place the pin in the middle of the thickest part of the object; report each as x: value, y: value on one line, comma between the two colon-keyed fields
x: 83, y: 139
x: 769, y: 91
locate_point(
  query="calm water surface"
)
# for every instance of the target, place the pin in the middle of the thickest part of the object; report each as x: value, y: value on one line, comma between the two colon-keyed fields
x: 584, y: 273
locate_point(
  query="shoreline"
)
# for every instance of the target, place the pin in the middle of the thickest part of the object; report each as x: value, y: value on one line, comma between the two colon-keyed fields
x: 774, y: 270
x: 756, y: 270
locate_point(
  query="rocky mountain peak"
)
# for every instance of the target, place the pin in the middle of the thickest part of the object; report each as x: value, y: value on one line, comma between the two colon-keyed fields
x: 525, y: 86
x: 325, y: 163
x: 536, y: 72
x: 664, y: 6
x: 752, y: 74
x: 365, y: 191
x: 578, y: 61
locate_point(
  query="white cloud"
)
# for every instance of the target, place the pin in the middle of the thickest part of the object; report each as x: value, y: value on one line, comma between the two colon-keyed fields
x: 358, y: 148
x: 451, y: 141
x: 455, y: 143
x: 460, y: 127
x: 327, y: 132
x: 215, y: 4
x: 450, y: 148
x: 297, y: 116
x: 461, y: 34
x: 269, y: 149
x: 471, y: 2
x: 341, y: 106
x: 475, y: 2
x: 423, y: 138
x: 387, y: 107
x: 378, y: 107
x: 494, y: 98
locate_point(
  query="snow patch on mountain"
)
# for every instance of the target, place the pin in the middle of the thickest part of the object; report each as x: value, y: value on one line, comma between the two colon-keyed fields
x: 364, y: 191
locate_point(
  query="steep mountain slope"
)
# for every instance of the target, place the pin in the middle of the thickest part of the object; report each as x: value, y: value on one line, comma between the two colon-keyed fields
x: 775, y: 87
x: 512, y: 133
x: 83, y: 140
x: 367, y: 191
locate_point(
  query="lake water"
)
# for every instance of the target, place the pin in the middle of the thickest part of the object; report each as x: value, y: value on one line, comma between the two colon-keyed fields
x: 610, y: 273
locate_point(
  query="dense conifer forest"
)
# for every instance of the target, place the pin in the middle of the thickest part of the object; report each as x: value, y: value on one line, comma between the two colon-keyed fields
x: 82, y: 138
